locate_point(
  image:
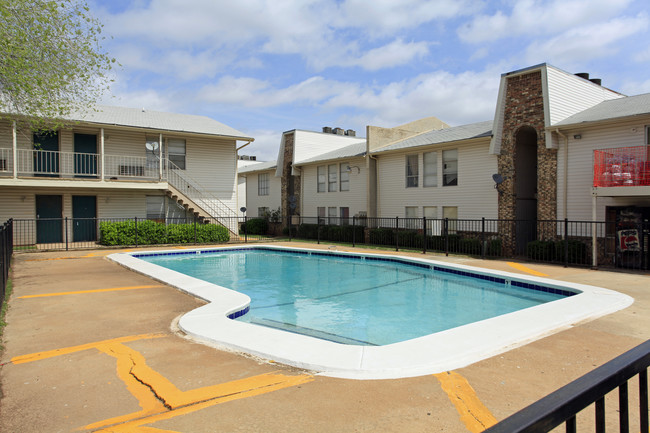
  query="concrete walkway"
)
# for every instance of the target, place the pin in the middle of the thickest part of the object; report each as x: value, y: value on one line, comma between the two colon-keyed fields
x: 91, y: 346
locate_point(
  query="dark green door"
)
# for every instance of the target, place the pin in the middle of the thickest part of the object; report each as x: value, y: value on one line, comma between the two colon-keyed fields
x: 46, y: 154
x: 85, y: 158
x: 84, y: 211
x: 49, y: 222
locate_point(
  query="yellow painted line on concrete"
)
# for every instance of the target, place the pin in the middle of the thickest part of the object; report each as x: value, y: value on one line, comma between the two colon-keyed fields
x: 239, y: 389
x: 473, y: 413
x: 113, y: 289
x: 526, y: 269
x: 66, y: 350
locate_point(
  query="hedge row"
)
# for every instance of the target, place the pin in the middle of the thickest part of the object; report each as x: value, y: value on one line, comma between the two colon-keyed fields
x: 151, y: 232
x: 554, y: 251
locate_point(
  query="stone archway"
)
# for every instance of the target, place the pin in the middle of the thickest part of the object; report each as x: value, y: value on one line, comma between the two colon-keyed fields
x: 525, y: 187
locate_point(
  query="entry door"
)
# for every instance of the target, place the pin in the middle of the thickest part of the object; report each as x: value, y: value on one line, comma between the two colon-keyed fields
x: 46, y: 154
x: 85, y: 158
x: 49, y: 222
x: 84, y: 212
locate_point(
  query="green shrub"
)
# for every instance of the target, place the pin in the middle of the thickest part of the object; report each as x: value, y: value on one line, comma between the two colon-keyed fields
x: 382, y: 236
x: 540, y: 250
x: 577, y: 251
x: 469, y: 246
x: 151, y: 233
x: 255, y: 226
x: 307, y: 231
x: 409, y: 238
x: 494, y: 247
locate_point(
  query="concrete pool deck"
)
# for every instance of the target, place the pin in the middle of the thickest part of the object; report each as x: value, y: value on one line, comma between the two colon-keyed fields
x: 90, y: 346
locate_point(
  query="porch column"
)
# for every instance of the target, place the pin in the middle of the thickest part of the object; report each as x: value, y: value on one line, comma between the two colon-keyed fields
x: 160, y: 156
x: 101, y: 153
x: 594, y: 227
x: 14, y: 148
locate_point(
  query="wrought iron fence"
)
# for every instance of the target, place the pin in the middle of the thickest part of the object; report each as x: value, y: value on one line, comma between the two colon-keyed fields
x: 6, y: 252
x: 575, y: 243
x: 563, y: 405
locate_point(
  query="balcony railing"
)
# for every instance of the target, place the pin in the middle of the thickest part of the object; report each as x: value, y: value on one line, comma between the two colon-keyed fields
x: 86, y: 166
x: 622, y: 166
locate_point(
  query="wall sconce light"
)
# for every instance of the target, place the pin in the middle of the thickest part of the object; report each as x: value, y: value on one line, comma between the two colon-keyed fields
x: 577, y: 136
x: 350, y: 167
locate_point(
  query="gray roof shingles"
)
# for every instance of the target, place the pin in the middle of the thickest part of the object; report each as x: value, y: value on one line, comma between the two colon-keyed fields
x: 156, y: 120
x: 357, y: 149
x: 445, y: 135
x: 611, y: 109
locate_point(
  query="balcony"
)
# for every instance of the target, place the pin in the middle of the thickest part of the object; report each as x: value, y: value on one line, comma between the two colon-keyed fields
x: 622, y: 167
x: 32, y: 163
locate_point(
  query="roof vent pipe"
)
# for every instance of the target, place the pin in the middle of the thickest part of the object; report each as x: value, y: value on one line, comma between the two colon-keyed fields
x: 584, y: 75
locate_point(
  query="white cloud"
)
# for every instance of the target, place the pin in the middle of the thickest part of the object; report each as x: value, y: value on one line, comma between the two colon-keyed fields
x: 538, y: 17
x: 266, y: 144
x: 396, y: 53
x: 585, y: 43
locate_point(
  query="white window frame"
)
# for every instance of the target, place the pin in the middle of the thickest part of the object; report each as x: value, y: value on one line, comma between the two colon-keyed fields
x: 263, y: 184
x: 332, y: 177
x: 331, y: 214
x: 174, y: 153
x: 450, y: 167
x: 345, y: 177
x: 412, y: 171
x: 451, y: 212
x: 321, y: 179
x: 320, y: 211
x: 344, y: 214
x: 430, y: 168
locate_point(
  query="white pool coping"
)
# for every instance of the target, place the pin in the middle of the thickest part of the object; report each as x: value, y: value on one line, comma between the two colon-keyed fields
x: 430, y: 354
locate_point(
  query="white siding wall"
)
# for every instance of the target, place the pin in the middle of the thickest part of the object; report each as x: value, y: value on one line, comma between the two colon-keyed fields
x: 308, y: 144
x: 580, y: 174
x: 254, y: 201
x: 474, y: 195
x: 569, y: 94
x: 354, y: 199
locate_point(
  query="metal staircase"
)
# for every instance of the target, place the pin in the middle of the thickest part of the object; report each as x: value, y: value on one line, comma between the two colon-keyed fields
x: 192, y: 196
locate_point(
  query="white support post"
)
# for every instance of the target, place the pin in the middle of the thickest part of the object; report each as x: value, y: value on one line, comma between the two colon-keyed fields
x: 160, y: 157
x: 102, y: 153
x: 14, y: 149
x: 594, y: 234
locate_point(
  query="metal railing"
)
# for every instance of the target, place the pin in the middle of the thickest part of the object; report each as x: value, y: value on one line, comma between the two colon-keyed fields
x: 563, y: 405
x: 568, y: 243
x: 6, y: 253
x: 58, y: 164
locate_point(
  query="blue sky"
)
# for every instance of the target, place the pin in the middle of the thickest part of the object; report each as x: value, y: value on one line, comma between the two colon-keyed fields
x: 268, y: 66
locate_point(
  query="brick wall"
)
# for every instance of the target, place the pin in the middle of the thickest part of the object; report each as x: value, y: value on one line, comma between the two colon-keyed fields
x: 290, y: 185
x: 524, y: 106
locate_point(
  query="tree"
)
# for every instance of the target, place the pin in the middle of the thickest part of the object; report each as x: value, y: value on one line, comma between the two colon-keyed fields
x: 51, y: 60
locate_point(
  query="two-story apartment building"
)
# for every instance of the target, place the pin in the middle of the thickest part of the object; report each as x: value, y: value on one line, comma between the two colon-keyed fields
x: 116, y: 162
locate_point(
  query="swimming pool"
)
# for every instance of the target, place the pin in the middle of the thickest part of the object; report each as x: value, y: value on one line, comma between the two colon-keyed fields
x: 431, y: 353
x: 351, y: 299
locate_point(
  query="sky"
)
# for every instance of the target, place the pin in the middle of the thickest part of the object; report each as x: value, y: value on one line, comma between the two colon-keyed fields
x: 268, y: 66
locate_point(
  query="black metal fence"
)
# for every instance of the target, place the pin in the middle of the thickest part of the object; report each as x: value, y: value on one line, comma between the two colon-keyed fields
x: 577, y: 243
x: 563, y: 405
x: 6, y: 252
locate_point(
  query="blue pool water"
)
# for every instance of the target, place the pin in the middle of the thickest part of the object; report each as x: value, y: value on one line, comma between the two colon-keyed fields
x: 354, y: 300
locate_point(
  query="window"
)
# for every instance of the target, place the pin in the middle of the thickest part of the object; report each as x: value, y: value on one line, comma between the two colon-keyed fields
x: 434, y: 226
x: 331, y: 178
x: 431, y: 169
x: 321, y: 178
x: 263, y: 212
x: 263, y: 184
x: 647, y: 134
x: 344, y: 214
x: 345, y: 177
x: 331, y: 214
x: 450, y: 167
x: 156, y: 208
x: 176, y: 152
x: 451, y: 212
x: 412, y: 171
x: 321, y: 215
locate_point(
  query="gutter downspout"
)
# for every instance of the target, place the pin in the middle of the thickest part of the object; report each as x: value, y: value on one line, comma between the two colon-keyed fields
x: 249, y: 142
x: 565, y: 199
